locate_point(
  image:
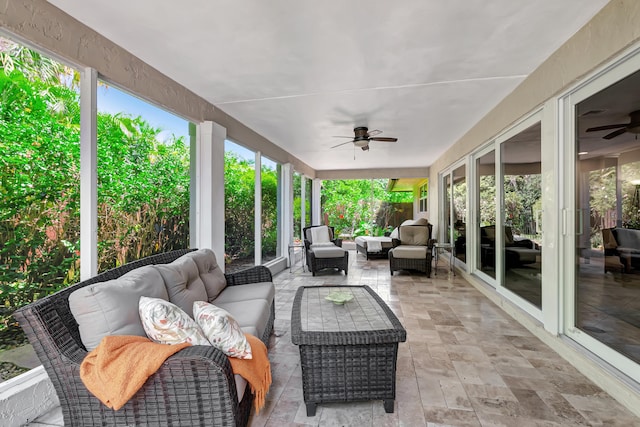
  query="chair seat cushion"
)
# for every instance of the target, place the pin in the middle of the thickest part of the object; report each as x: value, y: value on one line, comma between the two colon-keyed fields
x: 410, y: 252
x: 328, y: 252
x: 322, y: 245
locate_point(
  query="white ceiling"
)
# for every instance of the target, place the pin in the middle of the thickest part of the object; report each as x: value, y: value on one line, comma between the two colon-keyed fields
x: 300, y: 72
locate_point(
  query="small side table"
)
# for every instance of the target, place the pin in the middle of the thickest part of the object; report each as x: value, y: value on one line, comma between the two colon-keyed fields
x: 445, y: 246
x: 292, y: 250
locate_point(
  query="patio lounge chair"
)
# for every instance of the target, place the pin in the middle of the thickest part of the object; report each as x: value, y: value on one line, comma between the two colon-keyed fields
x: 412, y: 250
x: 324, y: 250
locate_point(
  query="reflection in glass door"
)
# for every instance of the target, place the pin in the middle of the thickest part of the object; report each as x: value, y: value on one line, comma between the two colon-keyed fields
x: 522, y: 201
x: 607, y: 205
x: 446, y: 211
x: 459, y: 203
x: 486, y: 209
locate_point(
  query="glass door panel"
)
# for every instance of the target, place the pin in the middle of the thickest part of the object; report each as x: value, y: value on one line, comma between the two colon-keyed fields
x: 460, y: 212
x: 486, y: 208
x: 522, y: 196
x: 607, y: 205
x: 446, y: 211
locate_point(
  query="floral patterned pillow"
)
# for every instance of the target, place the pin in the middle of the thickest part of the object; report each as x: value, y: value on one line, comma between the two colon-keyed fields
x: 222, y: 330
x: 166, y: 323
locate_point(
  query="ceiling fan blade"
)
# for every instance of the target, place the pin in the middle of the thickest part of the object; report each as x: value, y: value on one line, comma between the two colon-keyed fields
x: 383, y: 139
x: 615, y: 133
x: 374, y: 132
x: 606, y: 127
x: 343, y: 143
x: 340, y: 136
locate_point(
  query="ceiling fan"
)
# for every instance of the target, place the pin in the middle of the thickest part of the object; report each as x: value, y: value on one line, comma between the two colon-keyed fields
x: 363, y: 136
x: 632, y: 127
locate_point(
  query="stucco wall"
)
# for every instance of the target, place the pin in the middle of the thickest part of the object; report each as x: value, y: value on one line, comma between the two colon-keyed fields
x: 613, y: 29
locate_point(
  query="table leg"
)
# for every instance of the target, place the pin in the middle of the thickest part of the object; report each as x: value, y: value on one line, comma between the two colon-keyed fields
x: 388, y: 406
x: 311, y: 409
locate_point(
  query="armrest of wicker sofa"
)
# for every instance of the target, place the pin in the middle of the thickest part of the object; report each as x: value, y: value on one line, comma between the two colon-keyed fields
x: 255, y: 274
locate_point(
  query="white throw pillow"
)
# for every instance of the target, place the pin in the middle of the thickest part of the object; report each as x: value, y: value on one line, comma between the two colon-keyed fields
x: 166, y: 323
x: 222, y: 330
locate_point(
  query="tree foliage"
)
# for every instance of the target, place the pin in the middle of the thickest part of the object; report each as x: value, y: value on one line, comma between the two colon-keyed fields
x: 361, y: 206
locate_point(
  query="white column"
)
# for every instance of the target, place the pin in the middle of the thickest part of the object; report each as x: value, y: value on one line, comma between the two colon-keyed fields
x: 303, y: 204
x: 88, y: 175
x: 316, y: 212
x: 209, y: 189
x: 258, y: 209
x: 286, y: 195
x: 193, y: 185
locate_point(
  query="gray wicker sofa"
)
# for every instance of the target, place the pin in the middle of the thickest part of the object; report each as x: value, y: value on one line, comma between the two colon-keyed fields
x: 195, y: 386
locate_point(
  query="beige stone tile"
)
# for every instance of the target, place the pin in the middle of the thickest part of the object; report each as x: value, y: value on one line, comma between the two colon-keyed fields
x: 452, y: 417
x: 465, y: 363
x: 343, y: 414
x: 455, y: 395
x: 475, y: 373
x: 431, y: 393
x: 562, y: 408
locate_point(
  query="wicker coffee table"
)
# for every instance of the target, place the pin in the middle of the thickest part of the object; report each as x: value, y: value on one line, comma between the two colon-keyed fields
x: 348, y: 352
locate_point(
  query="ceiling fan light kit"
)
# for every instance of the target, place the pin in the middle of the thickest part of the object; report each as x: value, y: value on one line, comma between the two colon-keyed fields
x: 362, y: 136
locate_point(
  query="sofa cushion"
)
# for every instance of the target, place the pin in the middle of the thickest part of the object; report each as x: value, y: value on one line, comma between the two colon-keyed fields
x: 414, y: 234
x: 237, y: 293
x: 111, y: 308
x: 183, y: 283
x: 628, y: 238
x: 508, y: 236
x: 489, y: 232
x: 249, y: 313
x: 222, y: 330
x: 166, y: 323
x: 210, y: 273
x: 410, y: 252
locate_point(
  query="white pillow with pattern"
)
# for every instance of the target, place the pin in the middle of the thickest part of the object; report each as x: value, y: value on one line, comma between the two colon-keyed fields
x: 222, y: 330
x: 166, y: 323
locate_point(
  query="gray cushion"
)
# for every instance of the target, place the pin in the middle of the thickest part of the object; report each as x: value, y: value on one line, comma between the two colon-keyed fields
x: 237, y: 293
x: 414, y: 234
x: 307, y: 234
x: 250, y: 313
x: 421, y: 221
x: 410, y: 252
x: 628, y: 238
x: 210, y: 273
x: 328, y: 252
x: 183, y: 283
x: 525, y: 255
x: 111, y: 308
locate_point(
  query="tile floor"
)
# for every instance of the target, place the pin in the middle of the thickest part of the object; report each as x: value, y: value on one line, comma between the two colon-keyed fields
x: 465, y: 362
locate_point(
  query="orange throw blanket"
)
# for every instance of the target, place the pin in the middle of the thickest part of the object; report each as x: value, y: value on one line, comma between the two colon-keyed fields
x: 257, y: 371
x: 116, y: 369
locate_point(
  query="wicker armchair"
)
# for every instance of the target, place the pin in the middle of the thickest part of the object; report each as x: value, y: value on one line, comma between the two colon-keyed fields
x: 412, y: 250
x: 195, y: 386
x: 325, y: 254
